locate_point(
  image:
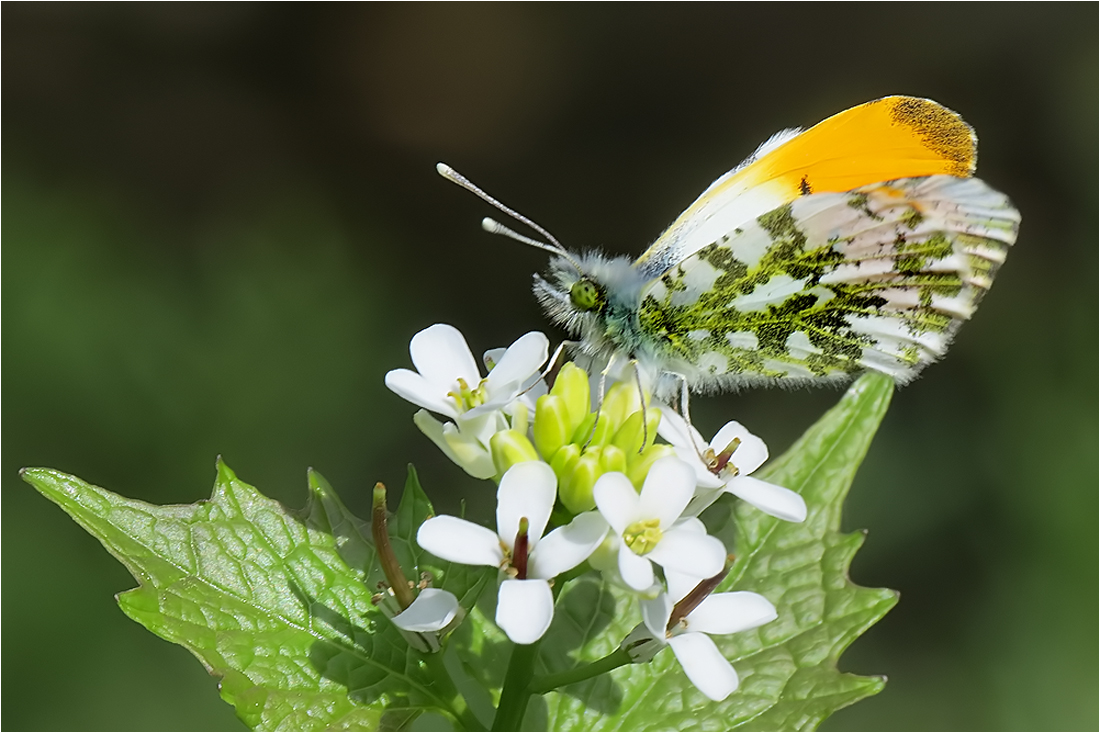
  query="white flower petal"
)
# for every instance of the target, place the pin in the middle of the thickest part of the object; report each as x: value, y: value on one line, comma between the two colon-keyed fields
x: 525, y: 609
x: 416, y: 389
x: 434, y: 430
x: 704, y: 665
x: 703, y: 498
x: 617, y: 500
x: 522, y: 359
x: 655, y: 614
x: 432, y: 610
x: 668, y: 488
x: 690, y: 553
x: 534, y: 388
x: 567, y: 547
x: 680, y: 584
x: 691, y: 524
x: 528, y: 489
x: 482, y: 424
x: 636, y: 571
x: 468, y: 452
x: 493, y: 356
x: 441, y: 355
x: 750, y: 454
x: 729, y: 613
x: 454, y: 539
x: 687, y: 442
x: 676, y: 431
x: 769, y: 498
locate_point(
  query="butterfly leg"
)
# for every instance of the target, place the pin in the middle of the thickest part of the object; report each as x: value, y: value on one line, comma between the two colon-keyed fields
x: 552, y: 366
x: 686, y: 414
x: 599, y: 402
x: 641, y: 396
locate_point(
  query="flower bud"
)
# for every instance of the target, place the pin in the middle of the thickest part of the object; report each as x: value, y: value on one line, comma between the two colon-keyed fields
x: 653, y: 421
x: 576, y: 490
x: 628, y: 438
x: 612, y: 458
x: 584, y: 429
x: 553, y: 427
x: 638, y: 468
x: 622, y: 399
x: 571, y: 385
x: 564, y: 461
x: 520, y: 414
x: 510, y: 447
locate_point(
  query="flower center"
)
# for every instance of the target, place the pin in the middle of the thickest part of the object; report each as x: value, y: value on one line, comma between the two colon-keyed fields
x: 522, y: 547
x: 465, y: 397
x: 719, y: 463
x: 641, y: 537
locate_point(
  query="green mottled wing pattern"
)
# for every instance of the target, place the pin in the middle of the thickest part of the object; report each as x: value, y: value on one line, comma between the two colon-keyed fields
x: 878, y: 278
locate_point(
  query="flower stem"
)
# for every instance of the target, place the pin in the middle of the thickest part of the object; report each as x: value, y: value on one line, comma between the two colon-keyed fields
x: 392, y: 569
x: 449, y: 692
x: 614, y: 660
x: 517, y: 687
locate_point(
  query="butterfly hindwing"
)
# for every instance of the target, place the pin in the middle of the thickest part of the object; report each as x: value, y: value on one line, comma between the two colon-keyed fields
x: 831, y: 284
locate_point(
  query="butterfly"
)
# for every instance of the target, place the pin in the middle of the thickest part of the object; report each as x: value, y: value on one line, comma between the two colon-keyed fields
x: 860, y: 244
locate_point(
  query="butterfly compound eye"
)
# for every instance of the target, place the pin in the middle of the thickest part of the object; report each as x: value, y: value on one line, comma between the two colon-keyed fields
x: 586, y: 295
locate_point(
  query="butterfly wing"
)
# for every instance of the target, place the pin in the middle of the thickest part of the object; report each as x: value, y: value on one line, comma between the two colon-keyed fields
x: 890, y: 138
x: 832, y: 284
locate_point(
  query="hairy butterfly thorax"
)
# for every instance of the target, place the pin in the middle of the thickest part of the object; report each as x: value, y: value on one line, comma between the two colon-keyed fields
x: 860, y: 244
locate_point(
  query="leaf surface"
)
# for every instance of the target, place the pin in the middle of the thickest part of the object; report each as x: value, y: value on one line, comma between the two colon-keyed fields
x: 275, y: 603
x: 789, y: 678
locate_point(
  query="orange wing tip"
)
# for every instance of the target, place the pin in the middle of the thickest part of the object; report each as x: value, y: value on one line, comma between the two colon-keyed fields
x: 884, y: 140
x: 942, y: 131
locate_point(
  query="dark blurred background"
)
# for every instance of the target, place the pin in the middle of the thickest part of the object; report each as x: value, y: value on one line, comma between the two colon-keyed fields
x: 223, y: 226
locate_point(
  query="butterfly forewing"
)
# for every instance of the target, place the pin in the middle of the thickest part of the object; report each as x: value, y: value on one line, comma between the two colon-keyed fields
x: 832, y: 284
x: 889, y: 138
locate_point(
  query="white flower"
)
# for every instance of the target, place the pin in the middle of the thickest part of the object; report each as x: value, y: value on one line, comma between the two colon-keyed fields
x: 718, y: 613
x: 725, y: 465
x: 648, y: 528
x: 525, y: 604
x: 531, y: 388
x: 448, y: 382
x: 432, y: 610
x: 468, y: 446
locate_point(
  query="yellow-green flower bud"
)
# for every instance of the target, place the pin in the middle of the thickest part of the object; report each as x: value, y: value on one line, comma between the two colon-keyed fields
x: 628, y: 438
x: 605, y: 428
x: 580, y: 435
x: 638, y: 468
x: 521, y: 414
x: 622, y: 399
x: 553, y: 428
x: 612, y: 458
x: 576, y: 491
x: 564, y: 460
x: 571, y: 385
x: 510, y: 447
x: 652, y: 419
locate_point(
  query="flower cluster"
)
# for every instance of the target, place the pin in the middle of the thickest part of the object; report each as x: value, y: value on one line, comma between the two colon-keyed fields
x: 620, y: 500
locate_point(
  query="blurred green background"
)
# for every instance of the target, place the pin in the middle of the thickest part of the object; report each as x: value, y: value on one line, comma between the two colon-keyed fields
x: 223, y: 226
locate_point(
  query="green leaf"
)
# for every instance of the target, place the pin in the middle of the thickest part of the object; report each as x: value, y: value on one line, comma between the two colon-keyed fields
x: 789, y: 679
x: 275, y: 603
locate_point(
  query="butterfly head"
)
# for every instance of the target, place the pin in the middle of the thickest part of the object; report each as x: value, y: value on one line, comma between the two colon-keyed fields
x: 594, y: 298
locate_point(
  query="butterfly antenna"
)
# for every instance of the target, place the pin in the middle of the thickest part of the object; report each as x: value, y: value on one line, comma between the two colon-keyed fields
x: 494, y: 227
